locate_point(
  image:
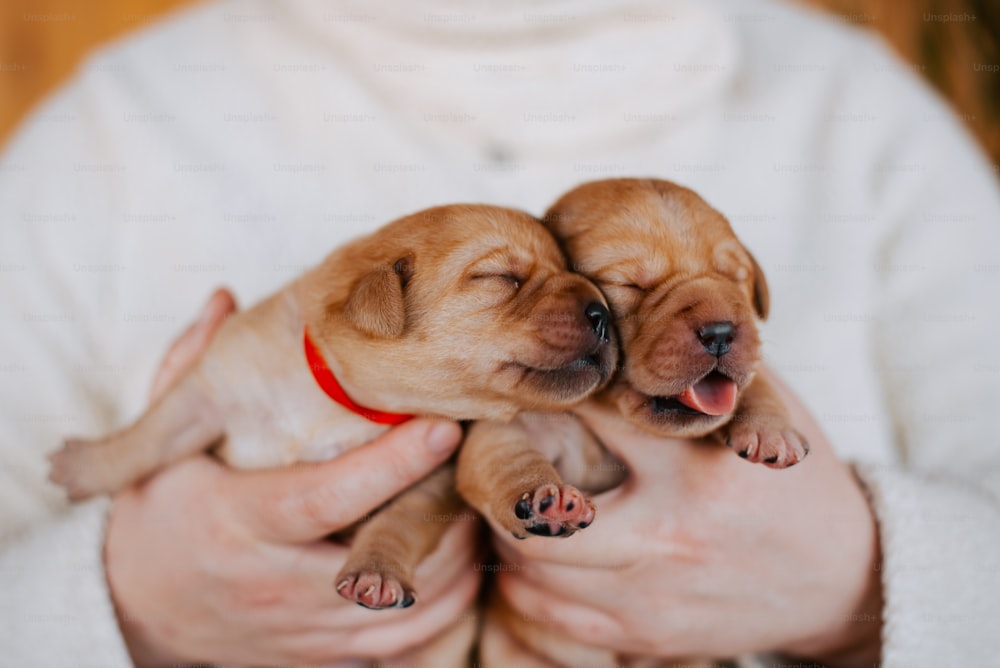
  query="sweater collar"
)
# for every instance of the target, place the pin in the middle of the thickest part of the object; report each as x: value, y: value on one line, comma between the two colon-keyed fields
x: 557, y: 77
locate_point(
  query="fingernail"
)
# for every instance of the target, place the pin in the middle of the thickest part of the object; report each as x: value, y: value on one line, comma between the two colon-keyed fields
x: 442, y: 437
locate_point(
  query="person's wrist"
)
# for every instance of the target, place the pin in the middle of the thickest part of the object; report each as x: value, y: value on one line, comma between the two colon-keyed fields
x: 135, y: 634
x: 857, y: 645
x: 857, y: 642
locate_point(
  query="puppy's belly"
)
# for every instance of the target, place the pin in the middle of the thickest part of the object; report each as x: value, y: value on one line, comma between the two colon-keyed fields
x: 271, y: 440
x: 349, y: 435
x: 274, y: 412
x: 576, y: 453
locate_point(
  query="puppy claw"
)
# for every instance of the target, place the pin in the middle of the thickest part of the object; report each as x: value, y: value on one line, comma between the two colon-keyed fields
x: 553, y: 511
x: 376, y: 591
x: 775, y: 446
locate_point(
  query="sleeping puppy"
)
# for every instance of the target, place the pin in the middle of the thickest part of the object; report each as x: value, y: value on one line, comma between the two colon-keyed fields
x: 465, y: 312
x: 685, y: 296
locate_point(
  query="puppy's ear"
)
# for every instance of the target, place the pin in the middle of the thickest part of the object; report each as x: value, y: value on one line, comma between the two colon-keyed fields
x: 376, y: 305
x: 761, y: 296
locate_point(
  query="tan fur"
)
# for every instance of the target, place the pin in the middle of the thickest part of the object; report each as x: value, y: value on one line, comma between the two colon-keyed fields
x: 668, y: 264
x: 466, y: 312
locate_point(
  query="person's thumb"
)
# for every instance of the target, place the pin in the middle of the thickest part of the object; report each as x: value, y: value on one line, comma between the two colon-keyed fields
x: 644, y: 454
x: 190, y: 345
x: 310, y: 501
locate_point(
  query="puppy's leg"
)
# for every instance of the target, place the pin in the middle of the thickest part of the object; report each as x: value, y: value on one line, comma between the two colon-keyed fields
x: 388, y: 547
x: 503, y: 476
x: 761, y: 430
x: 577, y: 455
x: 181, y: 422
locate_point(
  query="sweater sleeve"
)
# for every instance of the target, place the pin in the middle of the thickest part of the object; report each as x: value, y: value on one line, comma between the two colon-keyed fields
x: 938, y: 270
x: 56, y: 293
x: 940, y: 541
x: 55, y: 605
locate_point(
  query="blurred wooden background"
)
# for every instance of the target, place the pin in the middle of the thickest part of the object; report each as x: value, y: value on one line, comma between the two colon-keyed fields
x: 948, y: 41
x: 41, y: 41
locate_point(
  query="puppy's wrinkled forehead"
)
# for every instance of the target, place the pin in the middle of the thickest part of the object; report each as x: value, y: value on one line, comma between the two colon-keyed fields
x: 472, y: 235
x: 660, y: 226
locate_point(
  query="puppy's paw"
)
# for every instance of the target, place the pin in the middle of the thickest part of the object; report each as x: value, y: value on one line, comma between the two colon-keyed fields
x: 551, y: 510
x: 76, y: 467
x: 770, y: 442
x: 375, y: 590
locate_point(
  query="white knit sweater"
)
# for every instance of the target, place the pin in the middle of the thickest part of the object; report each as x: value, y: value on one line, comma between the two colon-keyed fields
x: 238, y: 142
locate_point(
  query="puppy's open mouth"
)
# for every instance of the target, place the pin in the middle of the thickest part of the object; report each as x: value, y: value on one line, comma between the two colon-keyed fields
x: 713, y: 395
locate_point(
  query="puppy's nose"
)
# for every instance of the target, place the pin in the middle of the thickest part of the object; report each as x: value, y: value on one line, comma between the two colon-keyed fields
x: 598, y: 316
x: 716, y: 337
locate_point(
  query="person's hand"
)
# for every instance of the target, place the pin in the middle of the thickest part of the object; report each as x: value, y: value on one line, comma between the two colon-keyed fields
x: 208, y: 564
x: 700, y: 553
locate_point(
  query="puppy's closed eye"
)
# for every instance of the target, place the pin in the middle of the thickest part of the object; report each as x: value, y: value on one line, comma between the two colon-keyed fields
x: 505, y: 279
x: 623, y: 296
x: 634, y: 288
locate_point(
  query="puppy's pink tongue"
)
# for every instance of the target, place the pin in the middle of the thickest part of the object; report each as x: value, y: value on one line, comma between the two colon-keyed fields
x: 713, y: 395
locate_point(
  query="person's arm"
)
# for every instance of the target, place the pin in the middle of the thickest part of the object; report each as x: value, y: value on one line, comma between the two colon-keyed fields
x: 68, y: 361
x: 54, y: 295
x: 208, y: 564
x: 55, y: 606
x: 939, y: 508
x: 705, y: 557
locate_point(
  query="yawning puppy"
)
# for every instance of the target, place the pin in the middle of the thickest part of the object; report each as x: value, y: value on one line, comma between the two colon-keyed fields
x: 685, y: 296
x: 465, y: 312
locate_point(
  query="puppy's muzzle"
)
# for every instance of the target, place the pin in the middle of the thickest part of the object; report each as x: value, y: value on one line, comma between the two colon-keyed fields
x: 578, y: 348
x: 574, y: 331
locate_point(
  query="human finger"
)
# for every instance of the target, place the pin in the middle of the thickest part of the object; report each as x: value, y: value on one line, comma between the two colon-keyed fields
x: 189, y: 346
x: 310, y: 501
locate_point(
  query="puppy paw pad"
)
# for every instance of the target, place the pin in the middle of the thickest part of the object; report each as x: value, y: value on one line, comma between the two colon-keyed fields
x: 551, y: 510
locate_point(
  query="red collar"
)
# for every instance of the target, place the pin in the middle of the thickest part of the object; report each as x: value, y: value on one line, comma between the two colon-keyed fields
x: 328, y: 383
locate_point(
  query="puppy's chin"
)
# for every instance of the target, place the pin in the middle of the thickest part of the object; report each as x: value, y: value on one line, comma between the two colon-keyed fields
x: 562, y: 386
x: 664, y: 416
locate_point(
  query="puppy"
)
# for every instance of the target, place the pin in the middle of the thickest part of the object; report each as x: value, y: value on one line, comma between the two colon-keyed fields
x: 685, y: 296
x: 465, y: 312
